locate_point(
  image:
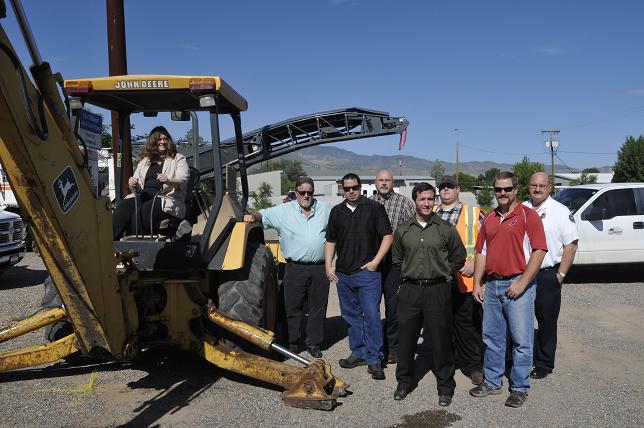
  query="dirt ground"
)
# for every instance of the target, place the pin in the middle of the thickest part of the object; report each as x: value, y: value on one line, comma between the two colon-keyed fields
x: 598, y: 380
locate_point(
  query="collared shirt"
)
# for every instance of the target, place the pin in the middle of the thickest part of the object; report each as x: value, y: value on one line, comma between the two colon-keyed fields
x: 560, y: 228
x: 507, y: 241
x: 399, y: 208
x: 431, y: 252
x: 357, y: 234
x: 451, y: 215
x: 301, y: 238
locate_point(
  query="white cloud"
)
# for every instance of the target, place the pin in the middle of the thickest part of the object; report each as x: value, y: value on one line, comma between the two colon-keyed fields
x: 190, y: 47
x: 550, y: 51
x: 635, y: 92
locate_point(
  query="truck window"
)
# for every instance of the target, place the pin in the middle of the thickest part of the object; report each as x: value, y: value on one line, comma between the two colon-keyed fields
x: 574, y: 198
x: 618, y: 202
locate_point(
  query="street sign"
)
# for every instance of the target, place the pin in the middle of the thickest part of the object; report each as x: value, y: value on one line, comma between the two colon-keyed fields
x: 90, y: 128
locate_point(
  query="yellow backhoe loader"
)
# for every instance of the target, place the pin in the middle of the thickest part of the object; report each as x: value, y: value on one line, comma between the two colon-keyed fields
x: 207, y: 289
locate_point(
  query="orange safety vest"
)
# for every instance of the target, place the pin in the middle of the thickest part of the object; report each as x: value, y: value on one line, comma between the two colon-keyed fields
x: 467, y: 227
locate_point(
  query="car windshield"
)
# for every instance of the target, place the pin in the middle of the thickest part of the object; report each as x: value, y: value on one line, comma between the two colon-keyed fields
x: 574, y: 198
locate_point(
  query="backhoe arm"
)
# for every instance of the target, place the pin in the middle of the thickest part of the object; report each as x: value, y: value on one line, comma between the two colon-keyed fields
x: 71, y: 227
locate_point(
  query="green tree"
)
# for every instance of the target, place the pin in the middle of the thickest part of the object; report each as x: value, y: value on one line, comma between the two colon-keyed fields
x: 591, y: 170
x: 523, y: 170
x: 438, y: 170
x: 484, y: 197
x: 584, y: 178
x: 262, y: 198
x: 291, y: 172
x: 466, y: 181
x: 487, y: 178
x: 629, y: 167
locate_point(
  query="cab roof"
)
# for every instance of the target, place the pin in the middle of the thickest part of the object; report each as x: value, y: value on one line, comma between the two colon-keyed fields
x: 152, y: 92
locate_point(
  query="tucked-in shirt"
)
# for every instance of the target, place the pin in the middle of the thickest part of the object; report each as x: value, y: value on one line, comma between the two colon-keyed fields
x: 301, y: 238
x: 431, y: 252
x: 357, y: 234
x: 399, y: 207
x: 507, y: 241
x: 560, y: 228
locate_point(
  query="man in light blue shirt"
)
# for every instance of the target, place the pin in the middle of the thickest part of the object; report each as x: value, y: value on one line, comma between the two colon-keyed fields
x: 301, y: 225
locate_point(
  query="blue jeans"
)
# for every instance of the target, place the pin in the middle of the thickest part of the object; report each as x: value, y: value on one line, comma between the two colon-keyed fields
x: 359, y: 295
x: 500, y: 313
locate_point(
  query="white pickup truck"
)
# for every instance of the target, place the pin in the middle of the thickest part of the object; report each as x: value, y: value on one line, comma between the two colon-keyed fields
x: 610, y: 222
x: 12, y: 240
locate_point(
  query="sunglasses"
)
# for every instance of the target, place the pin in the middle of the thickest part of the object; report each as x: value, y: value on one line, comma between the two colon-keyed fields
x: 503, y: 189
x: 350, y: 188
x: 304, y: 193
x: 446, y: 186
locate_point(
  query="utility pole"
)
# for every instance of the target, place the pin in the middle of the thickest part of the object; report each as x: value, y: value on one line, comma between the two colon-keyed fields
x: 118, y: 66
x: 457, y: 164
x: 400, y: 167
x: 552, y: 144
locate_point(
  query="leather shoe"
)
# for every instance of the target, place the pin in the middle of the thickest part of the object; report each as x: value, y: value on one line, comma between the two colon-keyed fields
x: 376, y: 371
x: 351, y: 362
x: 444, y: 400
x: 401, y: 393
x: 314, y: 351
x: 392, y: 359
x: 537, y: 373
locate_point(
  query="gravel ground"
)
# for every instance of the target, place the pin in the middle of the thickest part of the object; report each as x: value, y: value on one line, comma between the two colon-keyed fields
x: 599, y: 379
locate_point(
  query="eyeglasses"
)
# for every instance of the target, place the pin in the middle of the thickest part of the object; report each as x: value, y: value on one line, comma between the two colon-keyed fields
x: 350, y: 188
x: 446, y: 186
x: 163, y: 140
x: 538, y: 186
x: 304, y: 193
x: 504, y: 189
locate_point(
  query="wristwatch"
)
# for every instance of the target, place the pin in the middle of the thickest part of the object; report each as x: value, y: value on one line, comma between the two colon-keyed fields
x: 561, y: 274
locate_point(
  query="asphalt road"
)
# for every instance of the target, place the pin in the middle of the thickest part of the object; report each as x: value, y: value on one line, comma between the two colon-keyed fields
x: 598, y: 381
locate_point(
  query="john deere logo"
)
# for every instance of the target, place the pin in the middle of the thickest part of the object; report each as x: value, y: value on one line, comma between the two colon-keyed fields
x: 66, y: 189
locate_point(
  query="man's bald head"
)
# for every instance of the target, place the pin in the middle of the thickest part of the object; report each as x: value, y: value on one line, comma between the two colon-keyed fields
x: 540, y: 187
x: 384, y: 182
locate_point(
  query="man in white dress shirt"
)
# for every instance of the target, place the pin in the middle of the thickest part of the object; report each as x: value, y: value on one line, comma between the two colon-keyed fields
x: 561, y: 235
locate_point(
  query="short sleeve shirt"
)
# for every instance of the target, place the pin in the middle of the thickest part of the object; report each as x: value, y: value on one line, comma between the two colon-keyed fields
x: 560, y: 228
x: 358, y: 233
x: 508, y: 240
x: 301, y: 238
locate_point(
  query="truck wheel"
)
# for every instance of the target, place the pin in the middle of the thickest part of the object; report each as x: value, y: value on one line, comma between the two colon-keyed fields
x: 252, y: 297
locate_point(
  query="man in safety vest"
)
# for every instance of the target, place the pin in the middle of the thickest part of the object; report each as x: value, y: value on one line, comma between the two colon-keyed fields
x: 468, y: 343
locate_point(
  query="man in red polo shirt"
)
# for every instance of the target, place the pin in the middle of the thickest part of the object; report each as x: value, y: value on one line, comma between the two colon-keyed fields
x: 510, y: 248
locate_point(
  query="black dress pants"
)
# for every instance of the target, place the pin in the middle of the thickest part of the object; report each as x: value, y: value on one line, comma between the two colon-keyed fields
x: 126, y: 221
x: 546, y: 307
x: 390, y: 284
x: 429, y: 308
x: 468, y: 331
x: 305, y: 284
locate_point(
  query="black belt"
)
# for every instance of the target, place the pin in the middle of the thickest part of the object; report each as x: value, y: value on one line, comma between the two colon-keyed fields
x: 495, y: 276
x: 295, y: 262
x: 555, y: 267
x: 425, y: 282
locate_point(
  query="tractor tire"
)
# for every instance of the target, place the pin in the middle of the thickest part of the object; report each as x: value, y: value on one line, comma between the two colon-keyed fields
x: 252, y: 296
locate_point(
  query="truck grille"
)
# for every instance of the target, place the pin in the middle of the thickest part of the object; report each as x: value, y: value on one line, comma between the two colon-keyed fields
x: 11, y: 232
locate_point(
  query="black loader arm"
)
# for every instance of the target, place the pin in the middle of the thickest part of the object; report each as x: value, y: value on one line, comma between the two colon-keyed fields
x: 71, y: 226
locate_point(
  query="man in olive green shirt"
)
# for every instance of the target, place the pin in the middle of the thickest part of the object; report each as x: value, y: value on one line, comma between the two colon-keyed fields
x: 429, y: 251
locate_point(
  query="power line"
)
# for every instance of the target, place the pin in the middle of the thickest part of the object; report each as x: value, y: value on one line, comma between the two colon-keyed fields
x: 499, y: 153
x: 589, y: 153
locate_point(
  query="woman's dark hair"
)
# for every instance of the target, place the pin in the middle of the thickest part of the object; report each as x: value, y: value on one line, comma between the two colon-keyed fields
x: 151, y: 150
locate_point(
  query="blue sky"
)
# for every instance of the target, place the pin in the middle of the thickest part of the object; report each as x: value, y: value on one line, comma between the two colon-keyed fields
x: 499, y: 71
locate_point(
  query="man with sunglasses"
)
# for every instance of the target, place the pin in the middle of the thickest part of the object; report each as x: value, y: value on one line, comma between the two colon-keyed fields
x: 468, y: 346
x: 510, y: 248
x: 399, y: 208
x: 302, y: 233
x: 360, y: 232
x: 562, y: 237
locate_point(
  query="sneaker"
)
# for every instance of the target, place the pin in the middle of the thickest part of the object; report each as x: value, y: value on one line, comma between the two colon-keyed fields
x: 516, y: 399
x: 477, y: 377
x: 314, y: 351
x: 376, y: 371
x: 484, y: 390
x: 351, y: 362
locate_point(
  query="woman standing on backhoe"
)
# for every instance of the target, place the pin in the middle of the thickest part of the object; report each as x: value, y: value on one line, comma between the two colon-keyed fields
x: 160, y: 179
